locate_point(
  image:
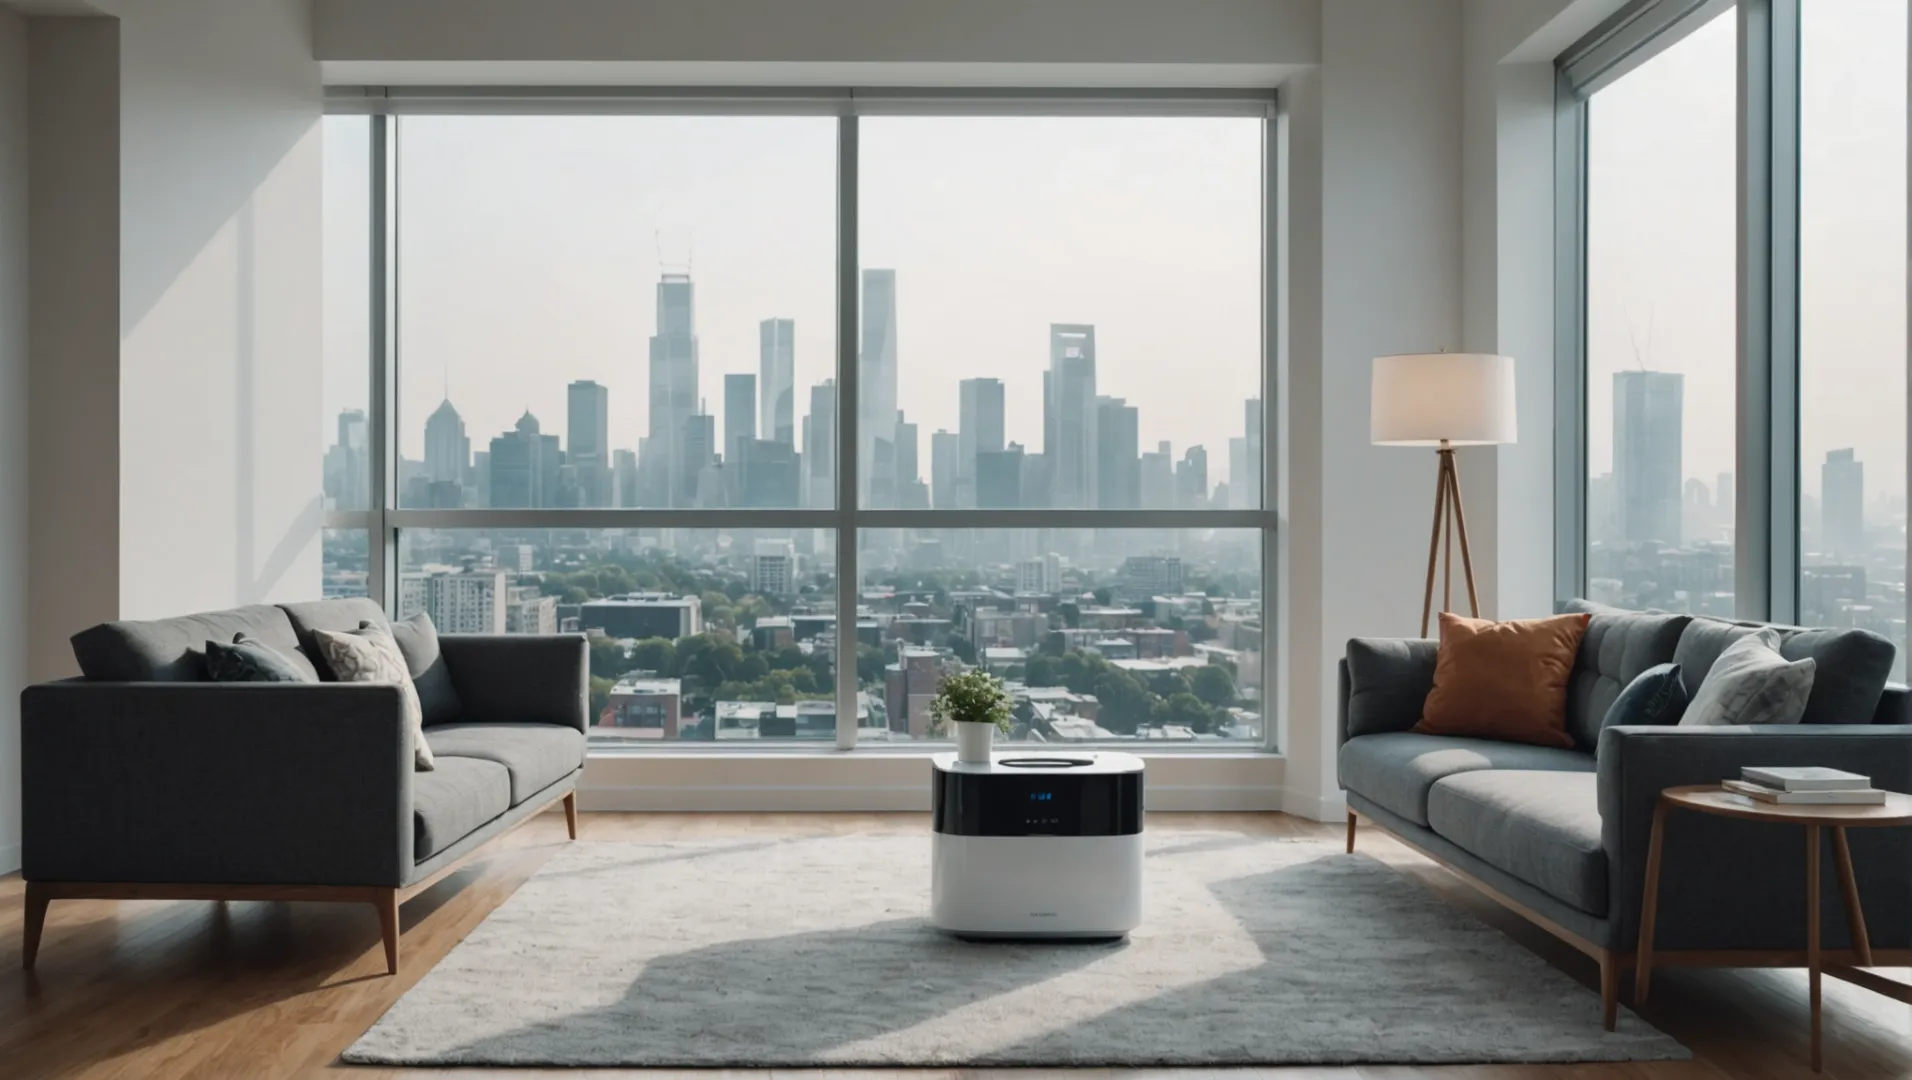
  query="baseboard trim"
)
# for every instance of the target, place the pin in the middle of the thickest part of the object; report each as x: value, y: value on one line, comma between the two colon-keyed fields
x: 1332, y: 807
x: 913, y: 798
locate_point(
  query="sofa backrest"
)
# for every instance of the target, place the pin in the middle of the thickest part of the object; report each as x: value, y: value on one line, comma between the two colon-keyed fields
x: 174, y: 650
x: 1616, y: 648
x: 342, y: 613
x: 1850, y: 666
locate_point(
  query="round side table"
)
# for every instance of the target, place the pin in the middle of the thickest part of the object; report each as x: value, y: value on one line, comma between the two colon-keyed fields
x: 1712, y: 799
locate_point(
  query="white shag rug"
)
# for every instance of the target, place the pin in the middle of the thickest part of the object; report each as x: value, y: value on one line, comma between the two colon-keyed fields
x: 815, y: 951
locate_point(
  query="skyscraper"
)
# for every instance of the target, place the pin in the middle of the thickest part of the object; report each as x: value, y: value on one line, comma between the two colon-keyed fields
x: 447, y: 447
x: 740, y: 414
x: 980, y: 423
x: 1158, y: 478
x: 1069, y: 416
x: 876, y: 387
x: 348, y: 472
x: 999, y: 478
x: 1191, y: 479
x: 819, y: 447
x: 699, y: 461
x: 587, y: 441
x: 777, y: 379
x: 524, y: 465
x: 1246, y: 485
x: 945, y: 450
x: 667, y: 463
x: 1646, y: 455
x: 1118, y: 444
x: 1842, y: 491
x: 773, y: 568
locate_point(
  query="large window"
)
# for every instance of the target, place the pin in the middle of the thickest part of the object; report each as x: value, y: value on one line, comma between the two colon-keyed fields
x: 1661, y: 332
x: 624, y: 402
x: 1735, y: 359
x: 1852, y: 315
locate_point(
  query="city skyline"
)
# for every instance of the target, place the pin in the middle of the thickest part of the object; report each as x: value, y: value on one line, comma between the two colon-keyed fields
x: 1090, y: 455
x: 536, y: 243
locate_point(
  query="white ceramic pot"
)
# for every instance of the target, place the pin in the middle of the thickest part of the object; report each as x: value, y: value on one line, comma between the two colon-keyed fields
x: 972, y: 741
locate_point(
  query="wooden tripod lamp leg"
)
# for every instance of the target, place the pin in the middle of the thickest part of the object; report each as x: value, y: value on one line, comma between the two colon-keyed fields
x: 1460, y: 520
x: 1434, y: 545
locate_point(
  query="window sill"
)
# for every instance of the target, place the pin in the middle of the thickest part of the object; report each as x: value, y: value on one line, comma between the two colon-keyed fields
x: 823, y: 779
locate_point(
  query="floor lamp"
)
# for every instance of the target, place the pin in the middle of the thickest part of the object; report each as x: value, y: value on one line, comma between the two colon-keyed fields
x: 1444, y: 400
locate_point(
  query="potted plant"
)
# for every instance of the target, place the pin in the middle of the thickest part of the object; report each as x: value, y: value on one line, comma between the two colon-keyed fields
x: 977, y: 706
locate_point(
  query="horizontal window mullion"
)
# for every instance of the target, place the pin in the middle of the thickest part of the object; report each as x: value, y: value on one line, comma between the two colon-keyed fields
x: 1063, y: 519
x: 613, y: 519
x: 351, y: 519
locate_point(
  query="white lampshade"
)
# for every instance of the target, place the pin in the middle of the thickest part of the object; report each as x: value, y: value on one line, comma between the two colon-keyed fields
x: 1425, y: 399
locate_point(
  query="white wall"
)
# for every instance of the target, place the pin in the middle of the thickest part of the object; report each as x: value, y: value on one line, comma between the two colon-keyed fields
x: 1383, y: 276
x: 1217, y: 32
x: 219, y: 305
x: 13, y: 420
x: 74, y: 436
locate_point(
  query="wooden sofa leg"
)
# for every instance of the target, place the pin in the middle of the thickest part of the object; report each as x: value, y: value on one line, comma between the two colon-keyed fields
x: 37, y: 900
x: 1609, y: 988
x: 1350, y: 832
x: 571, y: 813
x: 387, y: 905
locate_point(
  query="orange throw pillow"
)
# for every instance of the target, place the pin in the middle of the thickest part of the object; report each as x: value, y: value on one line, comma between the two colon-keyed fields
x: 1503, y: 680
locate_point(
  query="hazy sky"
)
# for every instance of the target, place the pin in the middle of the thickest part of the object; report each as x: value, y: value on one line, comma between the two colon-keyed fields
x: 529, y: 248
x: 1661, y: 236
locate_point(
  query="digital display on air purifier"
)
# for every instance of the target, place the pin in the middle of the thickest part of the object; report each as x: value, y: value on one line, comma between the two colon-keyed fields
x: 1042, y: 796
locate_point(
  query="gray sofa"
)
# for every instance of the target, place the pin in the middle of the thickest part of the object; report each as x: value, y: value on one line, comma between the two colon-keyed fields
x: 1560, y: 835
x: 144, y: 780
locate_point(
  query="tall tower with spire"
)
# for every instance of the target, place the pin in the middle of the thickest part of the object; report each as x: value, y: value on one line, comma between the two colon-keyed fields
x: 671, y: 471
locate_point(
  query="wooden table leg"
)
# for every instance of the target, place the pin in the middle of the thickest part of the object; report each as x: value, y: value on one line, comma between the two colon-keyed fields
x: 1812, y: 936
x: 1849, y: 889
x: 1649, y: 906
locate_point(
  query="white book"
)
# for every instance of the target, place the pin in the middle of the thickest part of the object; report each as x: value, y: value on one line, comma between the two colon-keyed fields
x: 1845, y: 797
x: 1805, y: 778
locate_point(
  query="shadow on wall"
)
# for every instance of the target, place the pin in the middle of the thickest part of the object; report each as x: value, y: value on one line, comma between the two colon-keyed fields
x: 220, y: 275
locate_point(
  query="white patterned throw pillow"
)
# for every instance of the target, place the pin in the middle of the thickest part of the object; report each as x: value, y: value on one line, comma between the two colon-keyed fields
x: 371, y: 655
x: 1751, y: 683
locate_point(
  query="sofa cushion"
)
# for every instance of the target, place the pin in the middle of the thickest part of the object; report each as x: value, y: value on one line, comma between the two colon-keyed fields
x: 343, y: 614
x: 1541, y: 827
x: 1850, y: 666
x: 1388, y: 682
x: 1657, y: 697
x: 1396, y: 770
x: 174, y: 650
x: 1504, y: 680
x: 1617, y: 647
x: 1752, y: 684
x: 537, y: 755
x: 246, y: 660
x: 454, y: 800
x: 418, y: 639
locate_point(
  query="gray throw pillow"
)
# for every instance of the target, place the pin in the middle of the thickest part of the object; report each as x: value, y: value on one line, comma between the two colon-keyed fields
x: 1751, y: 683
x: 418, y: 639
x: 1655, y: 696
x: 246, y: 660
x: 370, y: 655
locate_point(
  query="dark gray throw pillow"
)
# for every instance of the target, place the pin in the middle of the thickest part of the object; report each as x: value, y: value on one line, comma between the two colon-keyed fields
x: 246, y: 660
x: 418, y: 639
x: 1655, y: 696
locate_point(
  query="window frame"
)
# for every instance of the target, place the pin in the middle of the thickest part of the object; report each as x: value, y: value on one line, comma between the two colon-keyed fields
x: 1766, y: 467
x: 384, y: 521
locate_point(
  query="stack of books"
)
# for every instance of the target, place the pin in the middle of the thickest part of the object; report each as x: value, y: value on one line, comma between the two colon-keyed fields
x: 1804, y: 786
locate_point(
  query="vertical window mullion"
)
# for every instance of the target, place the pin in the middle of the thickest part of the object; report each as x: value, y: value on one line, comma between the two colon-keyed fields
x: 1766, y: 523
x: 846, y: 433
x: 382, y: 433
x: 1570, y: 341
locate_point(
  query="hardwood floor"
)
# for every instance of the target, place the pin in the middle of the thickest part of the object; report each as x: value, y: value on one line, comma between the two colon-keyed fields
x: 161, y: 989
